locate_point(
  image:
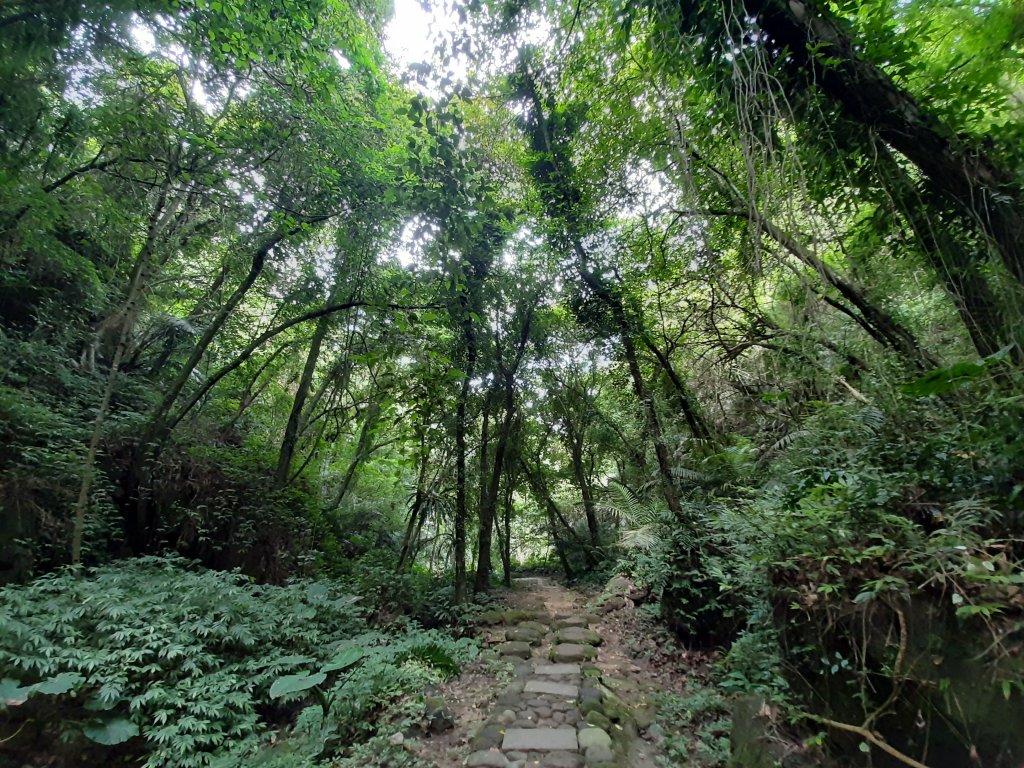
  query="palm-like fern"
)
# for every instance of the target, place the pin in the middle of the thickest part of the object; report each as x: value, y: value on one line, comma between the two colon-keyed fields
x: 638, y: 519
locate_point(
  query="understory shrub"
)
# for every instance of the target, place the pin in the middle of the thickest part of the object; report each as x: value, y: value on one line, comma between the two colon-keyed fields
x: 178, y: 665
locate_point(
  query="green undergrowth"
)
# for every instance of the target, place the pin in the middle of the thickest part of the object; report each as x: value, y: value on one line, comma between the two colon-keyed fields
x: 160, y: 663
x: 696, y: 726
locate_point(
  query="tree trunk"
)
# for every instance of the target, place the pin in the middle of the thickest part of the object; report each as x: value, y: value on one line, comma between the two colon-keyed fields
x: 415, y: 509
x: 362, y: 451
x: 291, y: 430
x: 684, y: 400
x: 985, y: 193
x: 506, y: 545
x: 461, y: 508
x: 162, y: 212
x: 579, y: 471
x: 490, y: 499
x: 543, y: 498
x: 955, y: 265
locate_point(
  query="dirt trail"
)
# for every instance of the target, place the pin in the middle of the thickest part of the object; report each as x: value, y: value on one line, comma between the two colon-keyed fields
x: 561, y: 685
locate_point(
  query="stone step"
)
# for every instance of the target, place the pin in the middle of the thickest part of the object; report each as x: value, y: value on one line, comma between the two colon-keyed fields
x: 540, y: 739
x: 557, y: 670
x: 572, y: 652
x: 554, y: 689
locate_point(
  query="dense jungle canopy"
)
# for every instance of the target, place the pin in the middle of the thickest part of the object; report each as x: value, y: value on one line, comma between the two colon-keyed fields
x: 309, y: 343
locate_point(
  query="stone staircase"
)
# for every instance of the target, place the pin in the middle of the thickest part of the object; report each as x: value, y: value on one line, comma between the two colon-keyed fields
x: 553, y: 714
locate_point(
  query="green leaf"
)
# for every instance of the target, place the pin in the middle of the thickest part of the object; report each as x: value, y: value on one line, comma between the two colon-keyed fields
x: 62, y: 683
x: 12, y: 694
x: 110, y: 732
x: 295, y: 683
x: 343, y: 659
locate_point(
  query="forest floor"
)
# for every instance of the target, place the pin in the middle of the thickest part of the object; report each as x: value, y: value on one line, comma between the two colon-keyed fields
x: 564, y: 684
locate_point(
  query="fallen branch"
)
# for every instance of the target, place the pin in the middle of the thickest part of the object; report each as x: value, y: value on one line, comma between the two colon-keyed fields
x: 870, y: 737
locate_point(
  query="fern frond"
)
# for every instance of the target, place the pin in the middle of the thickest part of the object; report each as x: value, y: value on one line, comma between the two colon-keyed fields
x: 644, y: 538
x: 787, y: 440
x: 688, y: 475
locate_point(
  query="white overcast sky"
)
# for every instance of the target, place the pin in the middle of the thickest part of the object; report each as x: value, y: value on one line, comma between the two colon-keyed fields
x: 411, y: 34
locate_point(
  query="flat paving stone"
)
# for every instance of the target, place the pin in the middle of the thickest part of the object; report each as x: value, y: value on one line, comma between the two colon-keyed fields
x: 540, y: 739
x: 554, y: 689
x: 557, y: 670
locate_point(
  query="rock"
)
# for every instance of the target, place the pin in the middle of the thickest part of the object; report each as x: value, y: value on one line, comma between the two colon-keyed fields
x: 570, y: 652
x: 562, y: 760
x: 598, y: 755
x: 644, y: 715
x: 514, y: 755
x: 639, y: 595
x: 579, y: 635
x: 619, y: 585
x: 596, y: 718
x: 593, y: 737
x: 490, y: 758
x: 489, y: 735
x: 507, y: 717
x: 590, y: 700
x: 614, y: 707
x: 520, y: 649
x: 534, y: 626
x: 557, y: 670
x: 655, y: 731
x: 517, y: 616
x: 489, y: 618
x: 620, y: 685
x: 523, y: 670
x: 439, y: 717
x: 539, y: 739
x: 396, y: 739
x: 543, y: 711
x: 613, y: 603
x: 563, y: 690
x: 522, y: 634
x: 569, y: 621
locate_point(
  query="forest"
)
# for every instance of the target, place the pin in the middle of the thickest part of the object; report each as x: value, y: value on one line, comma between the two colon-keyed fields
x: 323, y: 365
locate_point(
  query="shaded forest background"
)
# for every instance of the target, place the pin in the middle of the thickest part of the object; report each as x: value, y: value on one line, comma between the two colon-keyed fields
x: 725, y: 297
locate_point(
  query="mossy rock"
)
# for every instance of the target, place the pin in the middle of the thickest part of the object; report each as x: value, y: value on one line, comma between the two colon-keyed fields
x: 524, y: 634
x: 573, y: 652
x: 581, y: 635
x: 517, y: 615
x: 490, y: 618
